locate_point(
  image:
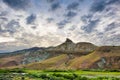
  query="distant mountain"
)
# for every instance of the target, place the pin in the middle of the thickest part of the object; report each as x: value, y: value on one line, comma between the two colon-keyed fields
x: 33, y: 49
x: 68, y: 55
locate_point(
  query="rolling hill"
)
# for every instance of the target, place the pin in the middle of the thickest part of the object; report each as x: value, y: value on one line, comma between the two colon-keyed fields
x: 68, y: 55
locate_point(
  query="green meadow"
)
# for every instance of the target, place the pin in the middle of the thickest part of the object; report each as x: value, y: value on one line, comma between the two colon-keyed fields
x: 26, y: 74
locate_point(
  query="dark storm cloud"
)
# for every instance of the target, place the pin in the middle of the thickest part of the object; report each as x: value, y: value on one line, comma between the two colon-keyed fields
x: 18, y: 4
x: 55, y: 6
x: 30, y: 19
x: 61, y: 24
x: 100, y: 5
x: 71, y: 14
x: 73, y: 6
x: 90, y: 26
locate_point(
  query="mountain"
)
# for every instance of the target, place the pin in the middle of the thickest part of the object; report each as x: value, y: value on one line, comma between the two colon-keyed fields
x: 70, y: 47
x: 68, y: 55
x: 33, y: 49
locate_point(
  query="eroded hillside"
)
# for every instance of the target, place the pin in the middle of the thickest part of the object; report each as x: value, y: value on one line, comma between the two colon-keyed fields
x: 68, y: 55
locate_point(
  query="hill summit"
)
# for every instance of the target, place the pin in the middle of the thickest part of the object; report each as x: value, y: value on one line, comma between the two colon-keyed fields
x: 68, y: 40
x: 70, y: 47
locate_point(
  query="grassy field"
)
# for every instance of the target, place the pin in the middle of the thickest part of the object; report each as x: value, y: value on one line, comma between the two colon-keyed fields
x: 25, y: 74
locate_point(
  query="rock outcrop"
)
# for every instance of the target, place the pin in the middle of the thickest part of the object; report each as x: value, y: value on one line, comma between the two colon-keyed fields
x: 70, y: 47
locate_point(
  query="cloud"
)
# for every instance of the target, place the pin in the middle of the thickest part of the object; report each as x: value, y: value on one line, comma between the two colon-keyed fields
x: 30, y: 19
x: 100, y: 5
x: 18, y: 4
x: 111, y: 26
x: 81, y: 0
x: 49, y: 20
x: 72, y: 27
x: 6, y: 39
x: 70, y: 14
x: 86, y: 18
x: 33, y: 27
x: 4, y: 18
x: 113, y: 2
x: 55, y: 6
x: 73, y: 6
x: 111, y: 40
x: 61, y: 24
x: 4, y: 13
x: 90, y: 26
x: 50, y: 1
x: 11, y: 27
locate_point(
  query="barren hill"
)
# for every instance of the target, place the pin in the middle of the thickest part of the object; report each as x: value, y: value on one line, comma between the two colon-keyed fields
x: 68, y: 55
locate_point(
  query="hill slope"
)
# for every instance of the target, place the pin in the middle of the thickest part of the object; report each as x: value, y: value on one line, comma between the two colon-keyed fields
x: 105, y: 57
x: 68, y: 55
x: 52, y: 63
x: 37, y: 54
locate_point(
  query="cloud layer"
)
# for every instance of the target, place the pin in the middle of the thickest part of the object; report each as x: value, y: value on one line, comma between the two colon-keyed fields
x: 29, y: 23
x: 18, y: 4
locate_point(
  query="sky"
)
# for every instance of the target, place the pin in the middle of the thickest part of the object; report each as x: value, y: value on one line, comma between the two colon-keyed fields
x: 44, y: 23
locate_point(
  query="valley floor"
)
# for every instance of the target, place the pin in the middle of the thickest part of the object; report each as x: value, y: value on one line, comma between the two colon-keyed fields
x: 20, y: 74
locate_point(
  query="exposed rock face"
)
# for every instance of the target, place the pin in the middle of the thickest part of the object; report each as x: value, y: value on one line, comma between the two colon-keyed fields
x: 36, y: 56
x: 70, y: 47
x: 112, y: 62
x: 68, y: 40
x: 67, y: 46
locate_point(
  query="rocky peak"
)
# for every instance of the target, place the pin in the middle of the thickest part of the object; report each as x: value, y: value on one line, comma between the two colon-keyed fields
x: 68, y: 40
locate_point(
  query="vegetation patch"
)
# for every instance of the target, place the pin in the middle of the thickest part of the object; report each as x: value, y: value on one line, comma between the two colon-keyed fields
x: 27, y: 74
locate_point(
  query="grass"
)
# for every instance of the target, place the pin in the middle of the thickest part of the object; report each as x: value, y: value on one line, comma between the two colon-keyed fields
x: 16, y: 74
x: 79, y: 72
x: 75, y: 74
